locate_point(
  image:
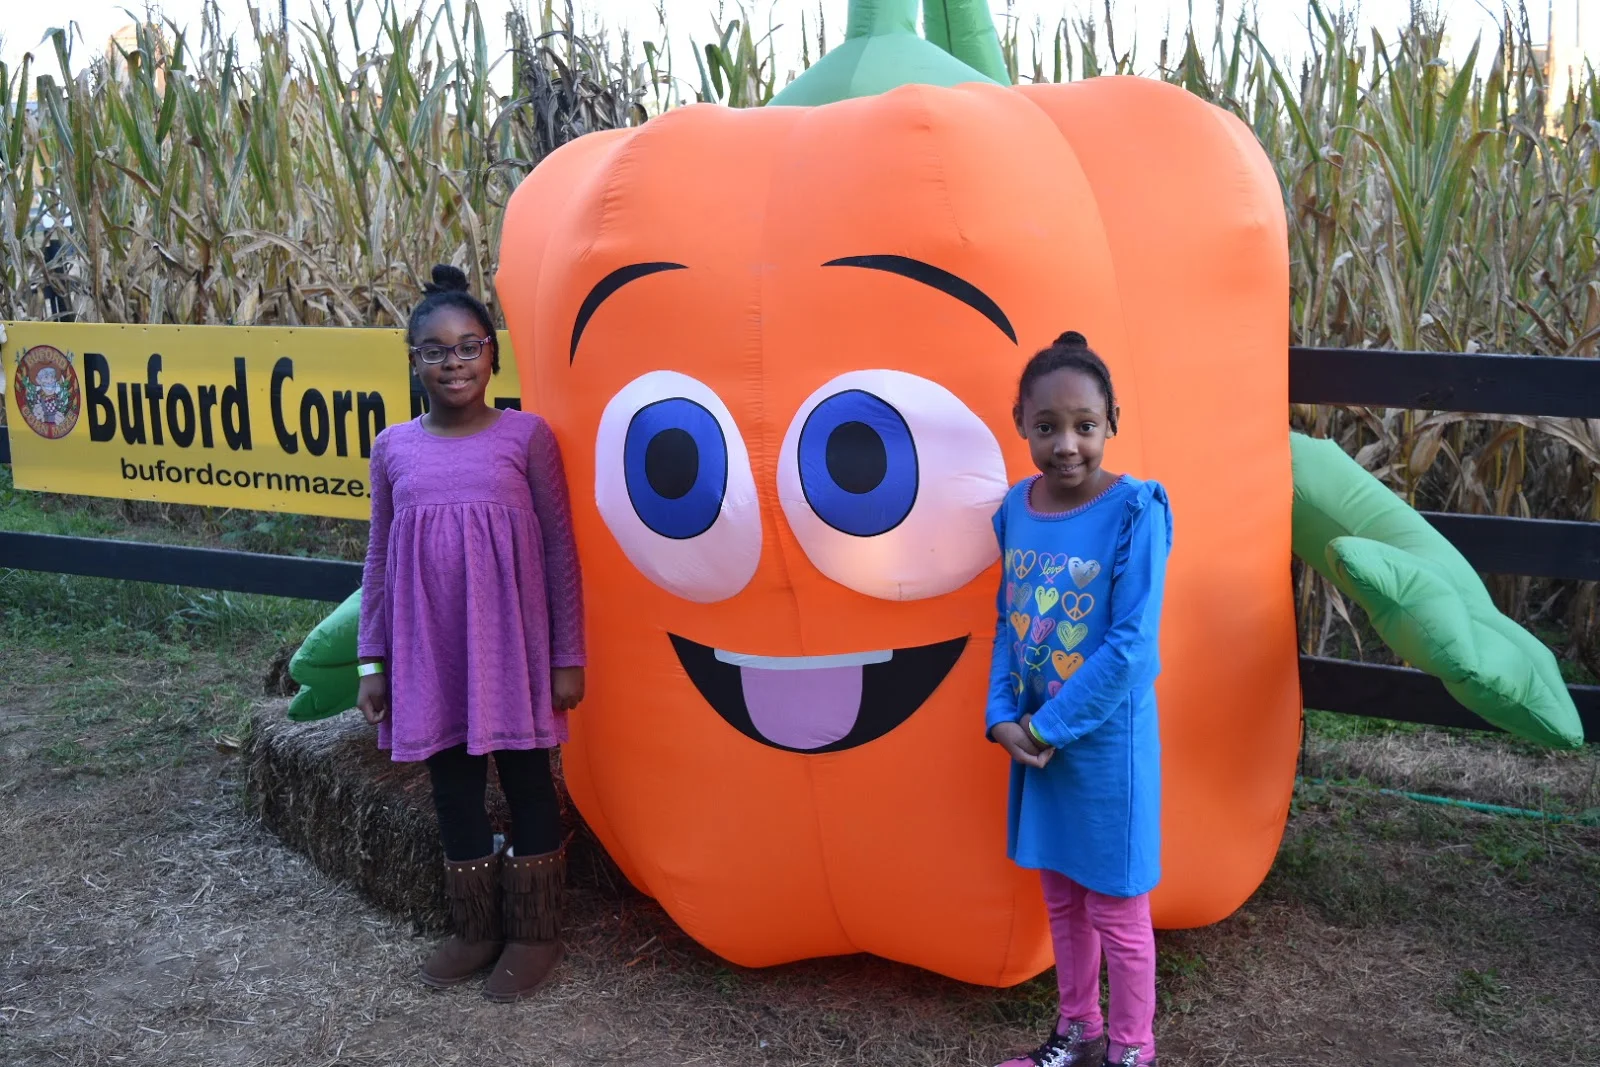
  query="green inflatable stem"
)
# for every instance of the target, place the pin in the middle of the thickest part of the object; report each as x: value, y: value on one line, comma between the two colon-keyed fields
x: 874, y: 18
x: 965, y: 29
x: 881, y: 51
x: 1423, y: 597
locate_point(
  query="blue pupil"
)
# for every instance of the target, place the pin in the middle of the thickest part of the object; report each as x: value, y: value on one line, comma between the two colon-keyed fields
x: 675, y: 464
x: 858, y: 464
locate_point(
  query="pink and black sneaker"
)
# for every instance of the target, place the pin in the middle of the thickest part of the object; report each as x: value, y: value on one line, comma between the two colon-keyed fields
x: 1065, y: 1049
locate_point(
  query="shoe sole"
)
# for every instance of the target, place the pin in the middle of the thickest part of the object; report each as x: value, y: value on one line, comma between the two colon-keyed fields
x: 512, y: 998
x: 450, y: 983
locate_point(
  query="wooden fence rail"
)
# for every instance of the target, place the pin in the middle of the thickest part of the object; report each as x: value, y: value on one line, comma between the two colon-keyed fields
x: 1562, y: 387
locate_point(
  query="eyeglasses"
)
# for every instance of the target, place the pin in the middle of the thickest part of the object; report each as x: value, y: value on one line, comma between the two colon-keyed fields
x: 466, y: 350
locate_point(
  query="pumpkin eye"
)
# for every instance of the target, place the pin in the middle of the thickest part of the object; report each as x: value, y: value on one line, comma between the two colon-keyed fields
x: 889, y: 483
x: 673, y: 484
x: 675, y: 464
x: 858, y: 463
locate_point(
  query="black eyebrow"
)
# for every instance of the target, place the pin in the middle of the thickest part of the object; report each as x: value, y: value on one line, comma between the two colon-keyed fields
x: 936, y: 278
x: 605, y: 287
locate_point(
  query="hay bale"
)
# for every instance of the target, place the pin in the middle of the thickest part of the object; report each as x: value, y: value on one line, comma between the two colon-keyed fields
x: 326, y: 791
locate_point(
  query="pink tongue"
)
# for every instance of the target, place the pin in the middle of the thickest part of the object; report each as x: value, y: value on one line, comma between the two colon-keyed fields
x: 802, y: 709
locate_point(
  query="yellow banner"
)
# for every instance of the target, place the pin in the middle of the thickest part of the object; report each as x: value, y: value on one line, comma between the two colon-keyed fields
x: 264, y: 418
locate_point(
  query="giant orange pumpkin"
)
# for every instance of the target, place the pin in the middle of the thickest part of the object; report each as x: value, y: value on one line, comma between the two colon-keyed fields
x: 779, y: 348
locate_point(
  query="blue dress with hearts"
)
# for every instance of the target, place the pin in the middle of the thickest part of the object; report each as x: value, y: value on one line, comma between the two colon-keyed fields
x: 1076, y: 645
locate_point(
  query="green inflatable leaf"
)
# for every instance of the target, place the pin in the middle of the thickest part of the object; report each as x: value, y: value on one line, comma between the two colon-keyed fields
x: 881, y: 51
x: 1424, y: 598
x: 325, y: 665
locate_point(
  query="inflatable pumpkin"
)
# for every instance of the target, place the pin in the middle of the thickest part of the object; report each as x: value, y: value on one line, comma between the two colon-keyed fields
x: 791, y: 392
x: 780, y: 349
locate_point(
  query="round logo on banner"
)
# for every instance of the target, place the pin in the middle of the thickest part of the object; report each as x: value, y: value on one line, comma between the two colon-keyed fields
x: 47, y: 391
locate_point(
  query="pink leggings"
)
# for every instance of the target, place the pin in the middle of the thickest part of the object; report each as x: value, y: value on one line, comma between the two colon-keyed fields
x: 1082, y: 922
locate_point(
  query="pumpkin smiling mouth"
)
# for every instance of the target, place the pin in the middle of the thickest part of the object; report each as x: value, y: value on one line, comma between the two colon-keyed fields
x: 817, y: 704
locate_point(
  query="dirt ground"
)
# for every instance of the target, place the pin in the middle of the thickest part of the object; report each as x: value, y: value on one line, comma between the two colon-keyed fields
x: 146, y: 919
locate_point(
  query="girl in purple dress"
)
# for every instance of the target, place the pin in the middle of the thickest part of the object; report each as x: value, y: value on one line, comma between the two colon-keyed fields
x: 472, y: 637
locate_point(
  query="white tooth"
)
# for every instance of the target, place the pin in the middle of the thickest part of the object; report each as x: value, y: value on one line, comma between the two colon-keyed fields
x: 803, y: 663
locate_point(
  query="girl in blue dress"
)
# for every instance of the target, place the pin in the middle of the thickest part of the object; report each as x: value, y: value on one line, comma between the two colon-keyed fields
x: 1072, y: 700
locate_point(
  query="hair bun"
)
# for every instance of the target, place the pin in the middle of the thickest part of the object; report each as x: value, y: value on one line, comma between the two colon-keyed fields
x: 1072, y: 339
x: 446, y: 279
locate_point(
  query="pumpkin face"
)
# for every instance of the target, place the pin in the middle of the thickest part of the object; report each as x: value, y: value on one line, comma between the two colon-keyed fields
x: 780, y: 349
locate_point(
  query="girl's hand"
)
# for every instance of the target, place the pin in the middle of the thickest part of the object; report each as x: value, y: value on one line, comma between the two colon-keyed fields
x: 1012, y: 737
x: 1045, y: 751
x: 373, y: 698
x: 566, y: 687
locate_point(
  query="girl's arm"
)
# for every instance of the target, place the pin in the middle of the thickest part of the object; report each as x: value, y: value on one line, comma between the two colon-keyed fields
x: 372, y: 643
x: 1002, y: 706
x: 563, y: 581
x: 1129, y: 657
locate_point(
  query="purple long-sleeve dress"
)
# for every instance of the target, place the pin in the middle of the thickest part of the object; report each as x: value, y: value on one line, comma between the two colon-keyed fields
x: 471, y: 592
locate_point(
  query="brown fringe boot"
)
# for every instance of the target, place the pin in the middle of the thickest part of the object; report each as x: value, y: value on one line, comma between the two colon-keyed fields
x: 472, y: 889
x: 534, y: 888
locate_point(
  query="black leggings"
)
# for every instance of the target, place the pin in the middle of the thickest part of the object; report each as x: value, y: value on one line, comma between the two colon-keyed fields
x: 460, y: 781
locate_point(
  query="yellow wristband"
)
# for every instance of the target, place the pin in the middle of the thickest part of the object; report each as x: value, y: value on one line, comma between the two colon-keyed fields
x: 1035, y: 734
x: 364, y: 669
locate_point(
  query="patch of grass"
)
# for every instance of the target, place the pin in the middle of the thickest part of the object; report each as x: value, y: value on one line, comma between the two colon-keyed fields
x: 108, y: 710
x: 1177, y: 964
x: 1476, y: 996
x: 1430, y: 827
x: 59, y: 609
x: 1032, y: 1006
x: 1512, y: 850
x: 1335, y: 726
x: 1179, y: 970
x: 124, y: 678
x: 1329, y: 869
x: 66, y: 752
x: 1365, y: 861
x: 132, y: 727
x: 726, y: 981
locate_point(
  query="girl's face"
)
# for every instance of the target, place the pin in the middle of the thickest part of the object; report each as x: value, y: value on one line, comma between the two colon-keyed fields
x: 1065, y: 421
x: 456, y: 382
